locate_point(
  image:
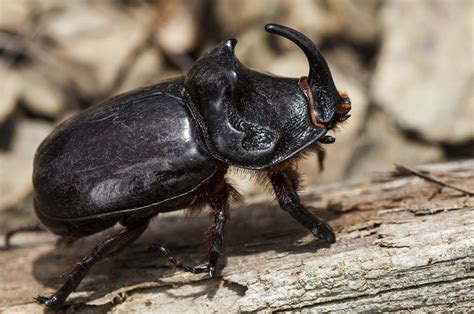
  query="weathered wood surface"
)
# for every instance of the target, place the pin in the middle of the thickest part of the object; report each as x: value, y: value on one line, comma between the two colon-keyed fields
x: 402, y: 245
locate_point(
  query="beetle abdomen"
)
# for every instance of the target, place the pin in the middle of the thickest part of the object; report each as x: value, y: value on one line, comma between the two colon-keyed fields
x: 139, y: 152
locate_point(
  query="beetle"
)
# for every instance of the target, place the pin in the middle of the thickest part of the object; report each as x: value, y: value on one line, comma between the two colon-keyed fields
x: 169, y: 146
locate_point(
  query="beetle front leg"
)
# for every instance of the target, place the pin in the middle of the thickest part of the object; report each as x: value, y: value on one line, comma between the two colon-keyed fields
x: 285, y: 184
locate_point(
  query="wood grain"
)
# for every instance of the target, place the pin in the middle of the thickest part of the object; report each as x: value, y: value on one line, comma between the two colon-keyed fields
x: 402, y: 245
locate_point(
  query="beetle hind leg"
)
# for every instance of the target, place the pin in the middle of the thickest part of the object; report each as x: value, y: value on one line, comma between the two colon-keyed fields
x: 22, y: 229
x: 104, y: 249
x: 63, y: 241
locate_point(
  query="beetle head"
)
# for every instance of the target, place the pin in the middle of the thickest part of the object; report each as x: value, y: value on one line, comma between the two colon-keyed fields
x: 326, y: 106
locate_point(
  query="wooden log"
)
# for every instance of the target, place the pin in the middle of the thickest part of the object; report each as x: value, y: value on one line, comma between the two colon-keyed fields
x: 403, y: 244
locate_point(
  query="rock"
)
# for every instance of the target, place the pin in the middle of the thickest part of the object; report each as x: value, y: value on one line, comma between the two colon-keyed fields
x: 314, y: 18
x: 350, y: 77
x: 358, y: 20
x: 94, y: 40
x: 382, y: 144
x: 424, y: 75
x: 39, y: 93
x: 9, y: 91
x: 14, y: 15
x: 253, y: 51
x: 36, y: 85
x: 25, y: 16
x: 177, y: 26
x: 16, y: 166
x: 145, y: 70
x: 236, y: 16
x: 290, y: 64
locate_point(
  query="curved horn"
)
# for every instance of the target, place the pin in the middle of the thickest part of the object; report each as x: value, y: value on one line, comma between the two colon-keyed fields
x: 319, y: 74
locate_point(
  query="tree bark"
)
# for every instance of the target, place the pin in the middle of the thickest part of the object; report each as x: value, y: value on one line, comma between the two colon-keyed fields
x: 402, y: 244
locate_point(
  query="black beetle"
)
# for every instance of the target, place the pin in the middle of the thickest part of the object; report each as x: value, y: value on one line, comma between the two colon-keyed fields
x: 168, y: 147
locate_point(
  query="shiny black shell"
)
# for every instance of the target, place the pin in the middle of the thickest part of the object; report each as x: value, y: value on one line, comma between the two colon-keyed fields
x: 133, y: 156
x: 150, y: 150
x: 248, y: 119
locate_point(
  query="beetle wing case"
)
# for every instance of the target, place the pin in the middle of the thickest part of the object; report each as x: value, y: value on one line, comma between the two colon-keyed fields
x: 248, y: 119
x: 138, y: 153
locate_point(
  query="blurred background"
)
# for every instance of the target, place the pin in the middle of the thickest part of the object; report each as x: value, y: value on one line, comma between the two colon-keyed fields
x: 407, y: 66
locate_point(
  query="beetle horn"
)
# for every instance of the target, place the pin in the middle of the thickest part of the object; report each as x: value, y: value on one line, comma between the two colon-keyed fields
x: 319, y: 75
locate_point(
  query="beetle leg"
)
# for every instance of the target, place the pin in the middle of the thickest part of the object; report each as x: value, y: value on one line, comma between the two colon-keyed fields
x: 284, y: 184
x: 62, y: 241
x: 175, y: 262
x: 220, y: 207
x: 107, y: 247
x: 321, y: 154
x: 28, y: 228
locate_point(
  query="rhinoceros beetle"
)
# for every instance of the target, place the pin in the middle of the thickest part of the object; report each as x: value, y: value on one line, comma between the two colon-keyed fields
x: 168, y: 147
